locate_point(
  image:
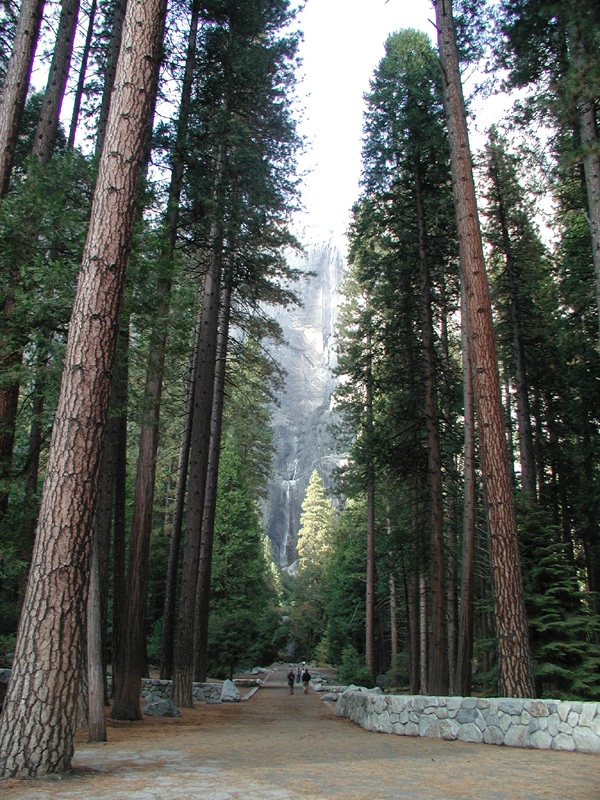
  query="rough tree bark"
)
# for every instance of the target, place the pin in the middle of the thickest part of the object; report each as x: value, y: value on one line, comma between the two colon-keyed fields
x: 37, y: 726
x: 47, y: 128
x: 16, y: 83
x: 515, y: 672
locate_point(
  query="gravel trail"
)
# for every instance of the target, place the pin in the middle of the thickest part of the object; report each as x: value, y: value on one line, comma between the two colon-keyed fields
x: 282, y: 747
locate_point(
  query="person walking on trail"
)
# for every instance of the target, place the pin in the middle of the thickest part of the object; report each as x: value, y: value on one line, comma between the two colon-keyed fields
x: 305, y: 680
x: 290, y: 680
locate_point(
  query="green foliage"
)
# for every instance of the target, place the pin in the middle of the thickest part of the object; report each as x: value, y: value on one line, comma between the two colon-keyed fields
x: 563, y: 627
x: 154, y: 642
x: 398, y: 675
x: 245, y: 624
x: 43, y: 223
x: 317, y: 524
x: 7, y: 646
x: 344, y: 586
x: 9, y: 12
x: 317, y: 528
x: 241, y: 639
x: 352, y: 669
x: 405, y: 216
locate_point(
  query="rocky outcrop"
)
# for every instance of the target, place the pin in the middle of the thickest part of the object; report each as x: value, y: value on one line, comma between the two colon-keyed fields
x: 301, y: 420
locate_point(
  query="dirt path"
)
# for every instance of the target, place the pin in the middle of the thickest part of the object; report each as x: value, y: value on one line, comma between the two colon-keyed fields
x: 277, y: 747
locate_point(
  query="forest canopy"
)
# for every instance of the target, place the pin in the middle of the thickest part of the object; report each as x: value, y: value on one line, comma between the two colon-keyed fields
x: 141, y: 242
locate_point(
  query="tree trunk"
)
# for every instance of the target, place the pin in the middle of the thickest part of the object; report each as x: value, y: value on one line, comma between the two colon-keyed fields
x: 591, y: 165
x: 424, y: 640
x: 370, y: 584
x: 16, y: 84
x: 168, y: 635
x: 414, y: 617
x: 121, y: 385
x: 32, y: 468
x: 82, y: 75
x: 37, y: 728
x: 199, y: 450
x: 393, y: 625
x: 105, y: 498
x: 45, y: 135
x: 452, y: 600
x: 528, y: 481
x: 210, y: 502
x: 591, y: 157
x: 127, y: 692
x: 393, y: 601
x: 167, y: 515
x: 9, y: 403
x: 438, y: 670
x: 465, y: 615
x: 114, y: 47
x: 562, y: 511
x: 515, y: 671
x: 95, y: 670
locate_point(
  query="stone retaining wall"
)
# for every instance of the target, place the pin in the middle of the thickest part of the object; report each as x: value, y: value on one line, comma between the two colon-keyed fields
x: 159, y: 688
x: 200, y: 691
x: 542, y: 724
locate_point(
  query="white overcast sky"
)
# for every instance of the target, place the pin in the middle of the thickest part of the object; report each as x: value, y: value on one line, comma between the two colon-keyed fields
x: 343, y: 44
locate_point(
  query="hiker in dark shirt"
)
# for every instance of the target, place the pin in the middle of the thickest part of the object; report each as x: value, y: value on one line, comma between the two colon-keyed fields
x: 290, y: 680
x: 305, y: 680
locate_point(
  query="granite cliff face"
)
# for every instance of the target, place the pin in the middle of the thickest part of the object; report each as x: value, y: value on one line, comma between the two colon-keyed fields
x: 301, y: 421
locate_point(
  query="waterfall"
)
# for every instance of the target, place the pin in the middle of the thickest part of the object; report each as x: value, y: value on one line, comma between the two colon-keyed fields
x: 302, y: 416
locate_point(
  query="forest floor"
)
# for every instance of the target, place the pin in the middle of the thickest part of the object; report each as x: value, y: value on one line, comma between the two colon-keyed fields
x: 282, y: 747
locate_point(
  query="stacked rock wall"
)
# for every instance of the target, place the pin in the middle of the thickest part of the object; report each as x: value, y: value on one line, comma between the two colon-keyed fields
x: 158, y: 688
x: 542, y: 724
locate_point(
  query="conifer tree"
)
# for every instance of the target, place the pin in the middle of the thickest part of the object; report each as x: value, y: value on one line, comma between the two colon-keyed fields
x: 316, y: 525
x: 37, y: 728
x: 517, y: 261
x: 403, y: 237
x: 515, y: 675
x: 16, y: 84
x: 245, y: 141
x: 552, y: 48
x: 315, y: 537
